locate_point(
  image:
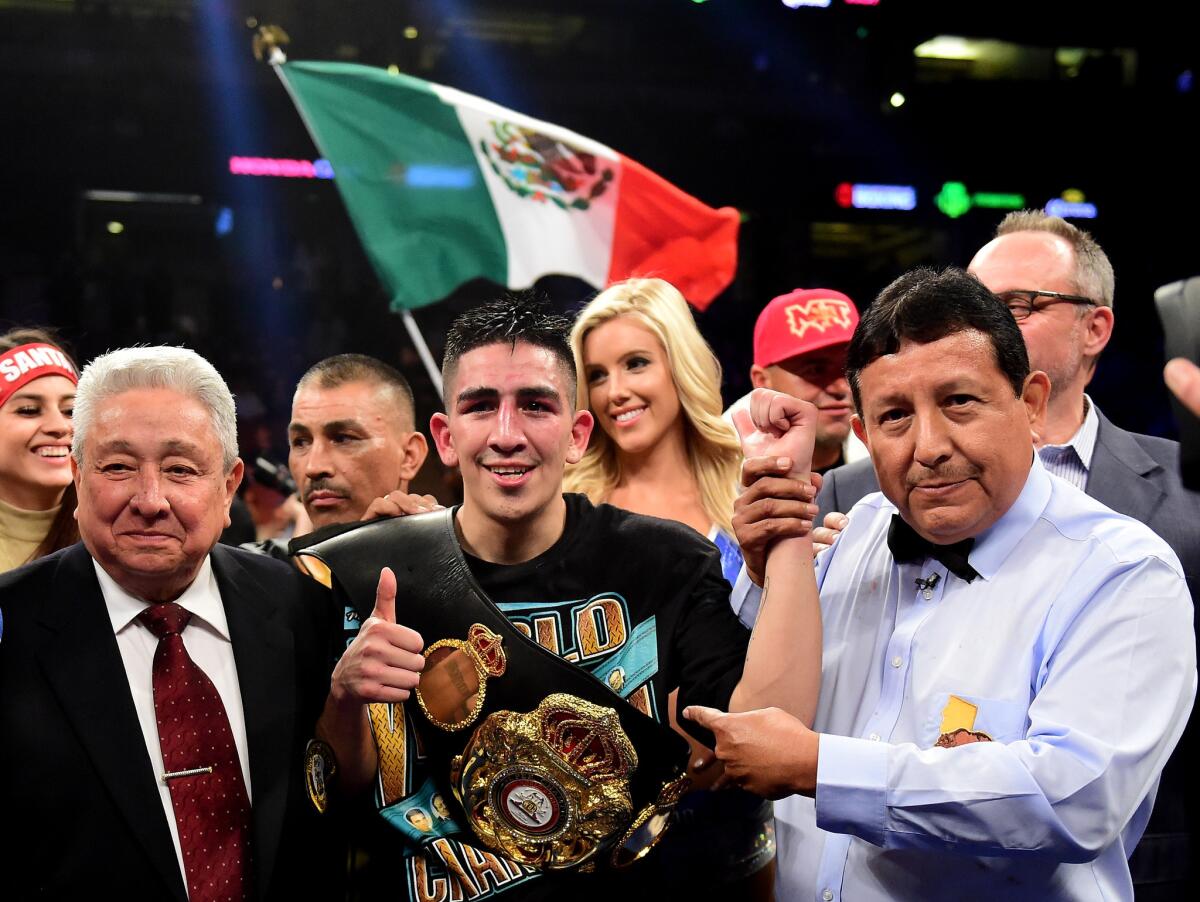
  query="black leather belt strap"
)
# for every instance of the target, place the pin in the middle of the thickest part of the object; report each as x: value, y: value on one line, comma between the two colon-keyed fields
x: 439, y: 597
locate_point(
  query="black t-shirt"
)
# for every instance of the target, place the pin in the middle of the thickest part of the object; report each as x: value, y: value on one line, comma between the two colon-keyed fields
x: 638, y: 602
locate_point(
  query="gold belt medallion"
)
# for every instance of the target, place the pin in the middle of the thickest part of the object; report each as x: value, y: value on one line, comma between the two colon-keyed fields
x: 453, y: 684
x: 650, y: 825
x: 549, y: 788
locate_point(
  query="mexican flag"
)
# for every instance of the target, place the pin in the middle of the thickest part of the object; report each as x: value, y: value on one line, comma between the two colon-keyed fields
x: 444, y: 187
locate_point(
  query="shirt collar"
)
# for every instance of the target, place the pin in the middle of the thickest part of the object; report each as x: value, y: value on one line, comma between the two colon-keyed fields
x: 1083, y: 442
x: 202, y: 598
x: 996, y: 543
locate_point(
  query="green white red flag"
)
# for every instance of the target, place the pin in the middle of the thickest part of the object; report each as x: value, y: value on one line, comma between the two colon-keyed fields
x: 444, y: 187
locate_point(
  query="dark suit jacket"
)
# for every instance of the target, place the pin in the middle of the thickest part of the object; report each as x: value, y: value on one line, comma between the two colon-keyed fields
x: 1135, y: 475
x: 80, y: 799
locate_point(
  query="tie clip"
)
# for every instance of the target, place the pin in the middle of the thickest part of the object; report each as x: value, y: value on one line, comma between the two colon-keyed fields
x: 190, y: 772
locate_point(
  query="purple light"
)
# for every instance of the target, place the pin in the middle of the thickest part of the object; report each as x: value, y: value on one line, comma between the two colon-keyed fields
x: 1069, y: 210
x: 883, y: 197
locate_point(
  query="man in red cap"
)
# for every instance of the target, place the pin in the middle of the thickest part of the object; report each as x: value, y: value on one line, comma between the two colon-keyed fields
x: 800, y: 342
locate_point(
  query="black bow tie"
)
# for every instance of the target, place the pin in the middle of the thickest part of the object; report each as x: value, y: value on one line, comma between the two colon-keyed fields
x: 907, y: 546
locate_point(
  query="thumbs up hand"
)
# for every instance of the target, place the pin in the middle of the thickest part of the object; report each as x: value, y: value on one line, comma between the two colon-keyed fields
x: 384, y: 662
x: 385, y: 597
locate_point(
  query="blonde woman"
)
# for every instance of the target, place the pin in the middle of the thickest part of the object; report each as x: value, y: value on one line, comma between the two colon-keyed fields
x: 654, y: 386
x: 661, y: 448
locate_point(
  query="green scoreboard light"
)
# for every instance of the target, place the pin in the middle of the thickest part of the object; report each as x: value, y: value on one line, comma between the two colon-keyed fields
x: 954, y: 200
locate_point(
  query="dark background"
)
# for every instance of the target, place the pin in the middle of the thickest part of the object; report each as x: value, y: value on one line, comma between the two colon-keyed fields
x: 740, y: 102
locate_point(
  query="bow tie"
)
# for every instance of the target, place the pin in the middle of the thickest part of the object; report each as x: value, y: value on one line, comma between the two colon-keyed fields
x: 907, y: 546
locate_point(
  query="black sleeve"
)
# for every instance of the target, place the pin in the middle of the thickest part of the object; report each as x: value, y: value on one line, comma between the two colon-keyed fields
x: 323, y: 645
x: 709, y: 644
x: 310, y: 857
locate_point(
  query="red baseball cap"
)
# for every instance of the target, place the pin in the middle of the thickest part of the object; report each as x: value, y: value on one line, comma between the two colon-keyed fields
x: 802, y: 321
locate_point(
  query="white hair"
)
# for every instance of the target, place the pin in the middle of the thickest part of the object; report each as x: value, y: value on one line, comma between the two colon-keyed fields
x: 178, y: 369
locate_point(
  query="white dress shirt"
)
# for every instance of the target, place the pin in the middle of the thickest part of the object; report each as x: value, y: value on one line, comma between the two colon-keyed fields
x: 1073, y: 651
x: 206, y: 638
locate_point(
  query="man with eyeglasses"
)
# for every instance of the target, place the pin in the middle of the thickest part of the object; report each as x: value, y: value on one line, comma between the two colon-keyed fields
x: 1058, y: 283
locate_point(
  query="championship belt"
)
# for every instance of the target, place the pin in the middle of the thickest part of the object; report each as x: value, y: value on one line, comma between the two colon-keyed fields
x: 551, y: 767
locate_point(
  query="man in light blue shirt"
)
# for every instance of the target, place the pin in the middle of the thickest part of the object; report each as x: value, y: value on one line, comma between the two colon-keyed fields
x: 1007, y: 662
x: 1059, y: 285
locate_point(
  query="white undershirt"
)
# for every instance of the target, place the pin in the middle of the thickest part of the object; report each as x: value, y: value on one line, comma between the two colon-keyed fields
x: 206, y: 638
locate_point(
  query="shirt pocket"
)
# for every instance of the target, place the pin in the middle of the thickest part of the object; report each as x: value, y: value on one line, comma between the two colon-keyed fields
x: 1004, y: 720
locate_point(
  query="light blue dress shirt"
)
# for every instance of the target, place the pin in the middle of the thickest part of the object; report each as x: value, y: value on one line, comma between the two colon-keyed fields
x: 1075, y: 649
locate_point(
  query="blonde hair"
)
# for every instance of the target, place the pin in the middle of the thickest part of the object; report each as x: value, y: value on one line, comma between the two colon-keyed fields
x: 712, y: 445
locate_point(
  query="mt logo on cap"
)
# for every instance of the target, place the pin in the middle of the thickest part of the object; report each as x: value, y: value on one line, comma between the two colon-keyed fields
x: 819, y: 314
x: 802, y: 321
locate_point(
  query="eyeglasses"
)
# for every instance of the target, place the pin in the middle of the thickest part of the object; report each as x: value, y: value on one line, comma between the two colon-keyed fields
x: 1020, y: 302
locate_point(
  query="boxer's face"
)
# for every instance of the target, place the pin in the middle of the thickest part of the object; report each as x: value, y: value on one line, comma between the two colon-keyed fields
x: 511, y: 428
x: 153, y: 492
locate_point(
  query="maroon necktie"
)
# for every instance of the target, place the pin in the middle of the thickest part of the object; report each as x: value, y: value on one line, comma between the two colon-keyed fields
x: 212, y: 809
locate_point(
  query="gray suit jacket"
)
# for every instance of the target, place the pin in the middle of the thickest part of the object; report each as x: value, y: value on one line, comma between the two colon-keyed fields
x: 1136, y: 475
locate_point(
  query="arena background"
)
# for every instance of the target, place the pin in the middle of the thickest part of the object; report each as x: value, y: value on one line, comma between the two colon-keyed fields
x: 747, y: 103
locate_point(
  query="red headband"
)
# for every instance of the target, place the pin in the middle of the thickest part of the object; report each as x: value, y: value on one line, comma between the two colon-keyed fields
x: 23, y: 364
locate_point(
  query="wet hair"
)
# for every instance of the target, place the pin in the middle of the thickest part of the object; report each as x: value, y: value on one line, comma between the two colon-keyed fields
x: 342, y: 369
x: 714, y: 452
x: 925, y: 305
x: 64, y: 531
x: 1093, y: 272
x: 512, y: 318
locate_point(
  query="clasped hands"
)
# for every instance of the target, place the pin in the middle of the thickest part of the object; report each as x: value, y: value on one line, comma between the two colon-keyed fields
x: 778, y: 433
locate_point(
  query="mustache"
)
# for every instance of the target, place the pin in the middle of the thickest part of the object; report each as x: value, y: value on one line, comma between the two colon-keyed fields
x: 324, y: 485
x: 940, y: 475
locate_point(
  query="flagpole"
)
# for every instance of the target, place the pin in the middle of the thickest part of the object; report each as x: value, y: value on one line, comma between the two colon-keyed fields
x: 435, y: 374
x: 266, y: 43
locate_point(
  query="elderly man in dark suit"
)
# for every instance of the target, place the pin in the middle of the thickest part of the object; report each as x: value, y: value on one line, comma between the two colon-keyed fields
x: 1059, y: 285
x: 157, y: 689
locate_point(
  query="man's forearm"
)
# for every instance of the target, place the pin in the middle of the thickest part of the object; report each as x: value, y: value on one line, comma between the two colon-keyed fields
x: 783, y: 661
x: 344, y: 726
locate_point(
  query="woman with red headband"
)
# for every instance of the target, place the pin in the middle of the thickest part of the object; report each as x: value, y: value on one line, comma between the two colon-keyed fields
x: 37, y: 498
